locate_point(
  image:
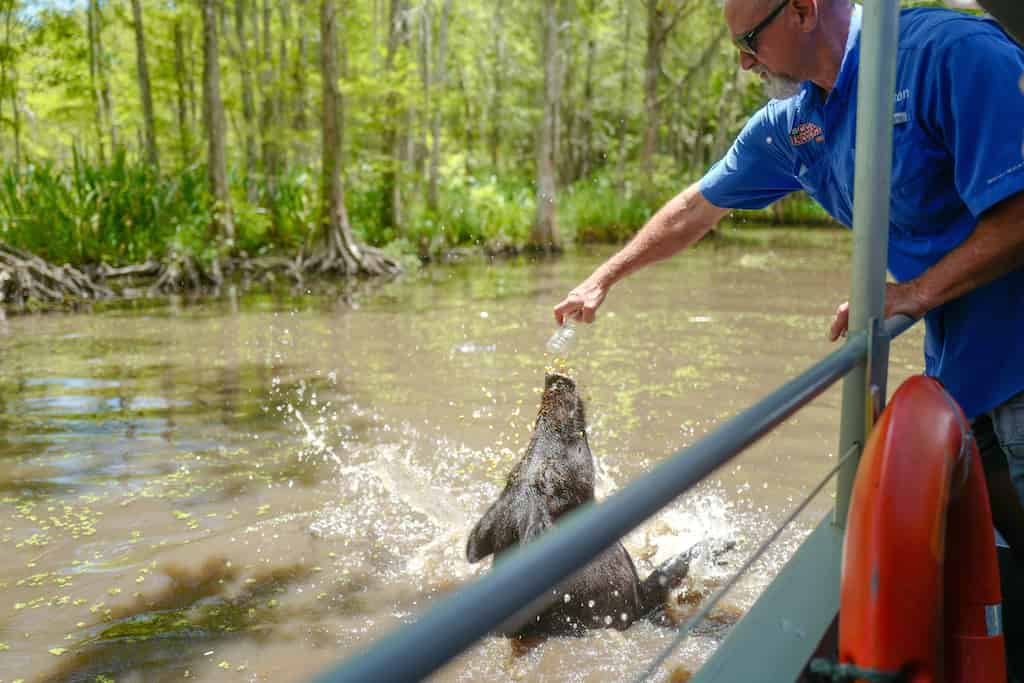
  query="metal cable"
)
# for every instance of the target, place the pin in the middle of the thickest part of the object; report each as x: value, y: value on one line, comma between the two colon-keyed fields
x: 684, y: 632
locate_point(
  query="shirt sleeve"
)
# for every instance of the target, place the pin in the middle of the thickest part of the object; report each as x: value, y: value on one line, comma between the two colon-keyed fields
x: 755, y: 171
x: 980, y: 116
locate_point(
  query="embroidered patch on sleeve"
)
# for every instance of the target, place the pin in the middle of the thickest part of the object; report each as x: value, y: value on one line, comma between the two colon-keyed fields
x: 806, y: 132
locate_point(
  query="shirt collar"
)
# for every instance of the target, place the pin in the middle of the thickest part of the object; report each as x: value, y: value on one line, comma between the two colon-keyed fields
x: 856, y: 17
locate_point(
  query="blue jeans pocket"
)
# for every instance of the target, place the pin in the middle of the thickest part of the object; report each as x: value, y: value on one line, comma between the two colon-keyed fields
x: 1008, y: 420
x: 1008, y: 423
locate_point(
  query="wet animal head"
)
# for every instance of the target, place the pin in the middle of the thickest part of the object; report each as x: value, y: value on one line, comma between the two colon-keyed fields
x: 561, y: 407
x: 554, y: 476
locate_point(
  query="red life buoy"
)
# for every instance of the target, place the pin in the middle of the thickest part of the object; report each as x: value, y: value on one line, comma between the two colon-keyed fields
x: 920, y: 583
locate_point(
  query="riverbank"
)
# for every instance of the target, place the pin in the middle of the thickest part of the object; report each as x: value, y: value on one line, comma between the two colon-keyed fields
x: 64, y: 287
x: 83, y: 231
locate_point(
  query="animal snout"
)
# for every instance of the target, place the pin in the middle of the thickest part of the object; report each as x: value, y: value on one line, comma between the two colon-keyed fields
x: 560, y: 381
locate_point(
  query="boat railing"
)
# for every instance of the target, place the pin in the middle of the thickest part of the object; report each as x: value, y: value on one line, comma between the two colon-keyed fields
x: 454, y: 623
x: 777, y: 637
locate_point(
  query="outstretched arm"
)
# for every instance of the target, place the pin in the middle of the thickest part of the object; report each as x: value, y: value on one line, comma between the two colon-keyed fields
x: 681, y: 222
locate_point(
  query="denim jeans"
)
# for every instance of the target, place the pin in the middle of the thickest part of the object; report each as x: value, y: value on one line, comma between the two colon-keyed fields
x: 1008, y: 423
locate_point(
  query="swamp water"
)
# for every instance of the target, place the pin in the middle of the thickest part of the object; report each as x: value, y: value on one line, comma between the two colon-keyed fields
x: 249, y: 489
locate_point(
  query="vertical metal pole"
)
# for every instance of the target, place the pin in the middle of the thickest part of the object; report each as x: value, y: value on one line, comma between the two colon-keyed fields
x: 876, y: 86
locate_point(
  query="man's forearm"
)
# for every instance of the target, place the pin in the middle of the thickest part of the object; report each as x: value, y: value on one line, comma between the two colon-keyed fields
x: 678, y: 224
x: 995, y: 248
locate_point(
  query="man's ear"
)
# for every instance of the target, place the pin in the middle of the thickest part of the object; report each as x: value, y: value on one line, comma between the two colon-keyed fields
x: 805, y: 13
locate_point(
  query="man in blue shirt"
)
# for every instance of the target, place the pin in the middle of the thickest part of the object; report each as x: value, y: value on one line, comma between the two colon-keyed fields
x: 957, y: 208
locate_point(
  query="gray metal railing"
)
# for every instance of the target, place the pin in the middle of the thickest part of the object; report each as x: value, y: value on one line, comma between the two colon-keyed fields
x: 418, y: 649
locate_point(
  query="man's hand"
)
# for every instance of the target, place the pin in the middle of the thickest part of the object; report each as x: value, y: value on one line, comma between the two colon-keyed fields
x: 903, y: 298
x: 582, y: 302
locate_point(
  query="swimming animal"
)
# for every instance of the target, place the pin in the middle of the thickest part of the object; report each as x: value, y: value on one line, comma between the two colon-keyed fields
x: 554, y: 477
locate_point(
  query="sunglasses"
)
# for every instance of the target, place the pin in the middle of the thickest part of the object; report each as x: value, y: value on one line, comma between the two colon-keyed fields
x: 746, y: 42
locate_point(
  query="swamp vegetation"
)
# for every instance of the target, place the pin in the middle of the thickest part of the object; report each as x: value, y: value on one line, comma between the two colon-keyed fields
x: 155, y: 147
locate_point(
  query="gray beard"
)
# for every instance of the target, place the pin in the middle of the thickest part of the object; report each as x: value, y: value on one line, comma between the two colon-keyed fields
x: 779, y: 87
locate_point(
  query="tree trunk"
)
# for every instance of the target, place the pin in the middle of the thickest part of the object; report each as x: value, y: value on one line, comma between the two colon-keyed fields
x: 241, y: 51
x: 103, y: 83
x: 622, y: 127
x: 426, y: 74
x: 652, y: 71
x: 281, y: 105
x: 469, y: 117
x: 338, y: 251
x: 587, y: 124
x: 544, y: 235
x: 194, y: 99
x: 394, y: 133
x: 222, y: 19
x: 267, y: 113
x: 16, y: 118
x: 9, y: 83
x: 499, y: 79
x: 3, y: 67
x: 94, y: 78
x: 181, y: 81
x: 337, y: 235
x: 6, y: 53
x: 213, y: 114
x: 726, y: 116
x: 433, y: 200
x: 568, y: 154
x: 152, y: 155
x: 299, y: 122
x: 662, y: 16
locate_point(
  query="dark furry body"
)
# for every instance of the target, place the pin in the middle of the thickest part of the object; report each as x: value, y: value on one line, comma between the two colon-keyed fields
x: 555, y: 476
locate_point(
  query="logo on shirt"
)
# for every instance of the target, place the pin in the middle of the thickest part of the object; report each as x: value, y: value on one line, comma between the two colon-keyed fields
x: 806, y: 132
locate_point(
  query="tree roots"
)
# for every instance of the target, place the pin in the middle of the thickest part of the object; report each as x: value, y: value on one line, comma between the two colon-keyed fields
x: 181, y: 271
x: 25, y: 279
x: 339, y: 256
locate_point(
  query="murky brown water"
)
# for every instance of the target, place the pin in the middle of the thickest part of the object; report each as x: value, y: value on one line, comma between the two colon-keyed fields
x: 248, y: 490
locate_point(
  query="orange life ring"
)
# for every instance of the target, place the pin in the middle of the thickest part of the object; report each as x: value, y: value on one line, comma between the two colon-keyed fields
x: 919, y: 498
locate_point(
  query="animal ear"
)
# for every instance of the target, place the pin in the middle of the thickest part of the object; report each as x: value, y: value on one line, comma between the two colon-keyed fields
x: 481, y: 539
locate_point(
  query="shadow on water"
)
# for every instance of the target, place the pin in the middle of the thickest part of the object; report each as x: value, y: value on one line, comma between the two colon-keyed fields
x: 177, y: 627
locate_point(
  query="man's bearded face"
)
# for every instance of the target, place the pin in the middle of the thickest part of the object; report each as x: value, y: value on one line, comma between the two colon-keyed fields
x: 775, y: 86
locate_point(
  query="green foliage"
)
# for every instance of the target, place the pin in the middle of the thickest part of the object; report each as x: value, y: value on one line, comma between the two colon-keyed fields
x: 121, y: 212
x: 603, y: 208
x: 473, y: 210
x: 476, y: 210
x: 289, y: 222
x: 489, y: 104
x: 597, y: 210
